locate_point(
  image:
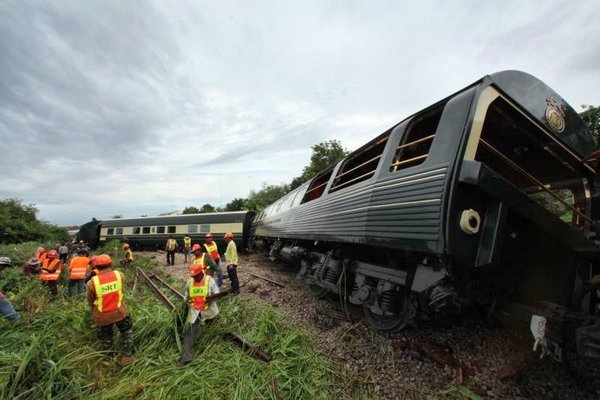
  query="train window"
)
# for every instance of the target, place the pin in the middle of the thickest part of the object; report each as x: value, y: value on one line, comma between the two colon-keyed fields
x: 171, y: 229
x: 119, y: 231
x: 160, y: 229
x: 524, y: 155
x: 361, y: 164
x: 317, y: 187
x: 192, y: 228
x: 416, y: 141
x: 204, y: 228
x: 153, y: 229
x: 110, y: 231
x: 146, y: 229
x: 136, y: 230
x: 299, y: 195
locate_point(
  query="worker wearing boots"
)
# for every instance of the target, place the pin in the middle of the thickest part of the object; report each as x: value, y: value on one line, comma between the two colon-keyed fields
x: 199, y: 287
x: 105, y: 296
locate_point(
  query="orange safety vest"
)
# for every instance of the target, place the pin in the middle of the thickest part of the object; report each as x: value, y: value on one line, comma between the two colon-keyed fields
x: 78, y: 266
x: 187, y: 242
x: 50, y: 276
x: 109, y: 291
x: 171, y: 243
x: 43, y: 256
x: 200, y: 261
x: 198, y: 292
x: 211, y: 247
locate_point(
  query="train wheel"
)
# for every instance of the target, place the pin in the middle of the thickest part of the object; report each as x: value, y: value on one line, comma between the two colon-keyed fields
x: 392, y: 322
x: 318, y: 292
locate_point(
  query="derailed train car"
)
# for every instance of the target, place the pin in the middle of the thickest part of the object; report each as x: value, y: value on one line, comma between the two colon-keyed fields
x: 146, y: 233
x: 486, y: 197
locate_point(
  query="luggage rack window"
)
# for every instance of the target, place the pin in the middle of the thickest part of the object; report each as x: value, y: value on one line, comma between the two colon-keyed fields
x: 360, y: 165
x: 317, y: 187
x: 416, y: 141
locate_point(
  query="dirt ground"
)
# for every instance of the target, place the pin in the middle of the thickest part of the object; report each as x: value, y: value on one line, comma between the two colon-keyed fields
x: 468, y: 360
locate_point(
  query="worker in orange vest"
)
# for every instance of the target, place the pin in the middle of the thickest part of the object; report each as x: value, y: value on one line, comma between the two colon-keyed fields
x: 41, y: 254
x: 76, y: 271
x: 199, y: 287
x: 170, y: 248
x: 201, y: 258
x: 105, y: 294
x: 51, y: 269
x: 213, y: 250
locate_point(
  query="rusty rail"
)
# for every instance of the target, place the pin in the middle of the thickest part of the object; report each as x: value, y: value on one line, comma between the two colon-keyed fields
x: 268, y: 280
x: 251, y: 349
x: 171, y: 288
x: 165, y: 300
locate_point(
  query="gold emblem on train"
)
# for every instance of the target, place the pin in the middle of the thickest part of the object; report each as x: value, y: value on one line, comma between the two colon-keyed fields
x: 555, y: 114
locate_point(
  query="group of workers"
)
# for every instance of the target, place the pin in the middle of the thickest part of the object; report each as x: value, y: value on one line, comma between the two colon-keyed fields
x: 105, y: 287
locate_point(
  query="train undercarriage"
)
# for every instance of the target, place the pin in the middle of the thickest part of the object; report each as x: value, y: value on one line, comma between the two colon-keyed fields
x: 397, y: 290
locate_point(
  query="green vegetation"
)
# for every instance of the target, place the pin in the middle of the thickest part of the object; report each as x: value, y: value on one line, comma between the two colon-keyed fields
x: 53, y: 352
x: 18, y: 223
x: 591, y: 116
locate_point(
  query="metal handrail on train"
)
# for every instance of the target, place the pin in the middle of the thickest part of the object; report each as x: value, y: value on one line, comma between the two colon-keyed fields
x: 533, y: 179
x: 402, y: 146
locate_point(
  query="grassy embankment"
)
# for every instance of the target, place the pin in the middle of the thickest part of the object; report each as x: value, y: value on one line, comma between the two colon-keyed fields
x: 53, y: 351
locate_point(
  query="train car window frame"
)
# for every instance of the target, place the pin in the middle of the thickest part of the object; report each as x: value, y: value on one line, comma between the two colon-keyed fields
x: 317, y: 186
x: 137, y: 230
x: 153, y: 230
x: 522, y: 168
x: 110, y: 231
x: 204, y: 228
x: 362, y: 164
x: 146, y: 230
x: 160, y: 229
x: 171, y: 229
x: 415, y: 144
x: 299, y: 195
x: 192, y: 228
x: 119, y: 231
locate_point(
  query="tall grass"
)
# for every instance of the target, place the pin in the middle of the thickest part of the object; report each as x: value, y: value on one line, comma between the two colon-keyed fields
x: 53, y: 353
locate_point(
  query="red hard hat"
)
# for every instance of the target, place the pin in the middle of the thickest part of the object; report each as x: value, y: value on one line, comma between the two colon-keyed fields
x: 196, y: 248
x: 228, y: 235
x: 93, y: 260
x: 102, y: 260
x: 195, y: 269
x: 52, y: 254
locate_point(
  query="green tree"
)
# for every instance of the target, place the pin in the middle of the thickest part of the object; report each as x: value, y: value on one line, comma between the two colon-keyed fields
x: 18, y: 223
x: 259, y: 200
x: 323, y: 155
x: 236, y: 204
x: 207, y: 208
x: 191, y: 210
x: 591, y: 116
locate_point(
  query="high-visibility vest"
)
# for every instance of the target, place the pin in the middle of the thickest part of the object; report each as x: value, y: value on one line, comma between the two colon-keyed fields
x: 50, y: 276
x: 187, y: 242
x: 109, y: 291
x: 43, y: 256
x: 200, y: 261
x: 129, y: 255
x: 211, y: 247
x: 171, y: 243
x: 198, y: 292
x: 78, y: 266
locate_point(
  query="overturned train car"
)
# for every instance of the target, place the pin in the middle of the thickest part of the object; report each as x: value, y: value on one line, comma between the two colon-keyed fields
x: 486, y: 197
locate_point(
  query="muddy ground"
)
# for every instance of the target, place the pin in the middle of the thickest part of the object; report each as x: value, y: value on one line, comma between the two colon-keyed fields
x: 470, y: 359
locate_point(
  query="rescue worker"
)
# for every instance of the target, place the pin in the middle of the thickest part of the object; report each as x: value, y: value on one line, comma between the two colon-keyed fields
x: 231, y: 258
x: 51, y: 269
x: 32, y: 266
x: 199, y: 287
x: 105, y: 294
x: 128, y: 257
x: 92, y: 271
x: 170, y: 249
x: 76, y: 271
x: 63, y: 253
x: 187, y: 247
x: 6, y: 308
x: 200, y: 258
x: 213, y: 250
x: 41, y: 254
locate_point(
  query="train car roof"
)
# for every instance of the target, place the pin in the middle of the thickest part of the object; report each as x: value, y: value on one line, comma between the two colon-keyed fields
x: 204, y: 218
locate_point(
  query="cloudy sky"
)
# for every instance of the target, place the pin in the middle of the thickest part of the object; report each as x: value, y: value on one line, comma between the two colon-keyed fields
x: 142, y: 107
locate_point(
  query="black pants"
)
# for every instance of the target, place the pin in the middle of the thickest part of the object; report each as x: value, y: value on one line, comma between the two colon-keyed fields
x: 52, y: 286
x: 235, y: 284
x: 125, y: 326
x: 170, y: 257
x: 63, y: 258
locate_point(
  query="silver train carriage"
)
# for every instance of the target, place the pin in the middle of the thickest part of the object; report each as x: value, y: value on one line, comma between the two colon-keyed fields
x: 487, y: 197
